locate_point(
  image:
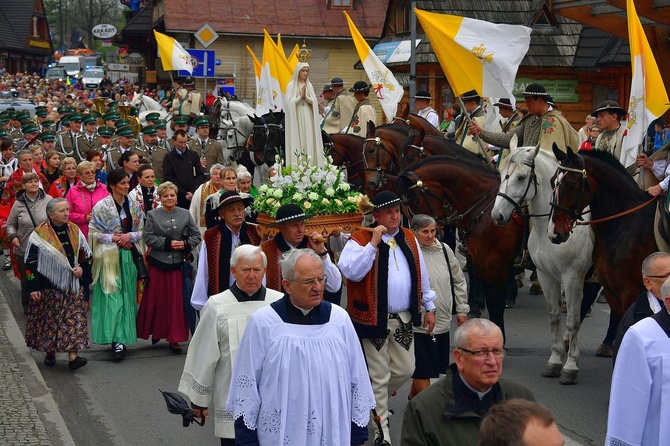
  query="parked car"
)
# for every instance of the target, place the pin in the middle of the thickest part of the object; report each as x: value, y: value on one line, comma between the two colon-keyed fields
x: 56, y: 74
x: 18, y: 104
x: 92, y: 77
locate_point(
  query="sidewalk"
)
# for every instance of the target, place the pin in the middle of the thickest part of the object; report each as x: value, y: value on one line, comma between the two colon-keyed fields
x: 28, y: 413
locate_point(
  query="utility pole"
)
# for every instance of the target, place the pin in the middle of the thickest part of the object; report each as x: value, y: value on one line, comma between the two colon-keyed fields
x: 412, y: 56
x: 60, y: 24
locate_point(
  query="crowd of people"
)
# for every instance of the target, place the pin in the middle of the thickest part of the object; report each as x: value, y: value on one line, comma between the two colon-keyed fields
x: 156, y: 238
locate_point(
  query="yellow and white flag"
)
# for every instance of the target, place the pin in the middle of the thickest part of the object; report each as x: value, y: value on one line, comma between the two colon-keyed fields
x: 173, y: 55
x: 475, y: 54
x: 387, y: 89
x: 257, y: 72
x: 269, y: 97
x: 648, y: 97
x: 293, y: 57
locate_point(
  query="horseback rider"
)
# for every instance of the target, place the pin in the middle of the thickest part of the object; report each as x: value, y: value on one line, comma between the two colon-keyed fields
x: 190, y: 103
x: 422, y: 104
x: 363, y: 112
x: 341, y: 110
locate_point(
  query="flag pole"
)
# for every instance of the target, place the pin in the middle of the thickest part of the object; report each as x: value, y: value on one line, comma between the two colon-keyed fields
x: 475, y: 136
x: 412, y: 56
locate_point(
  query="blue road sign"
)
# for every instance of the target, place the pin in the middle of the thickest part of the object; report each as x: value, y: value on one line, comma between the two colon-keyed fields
x: 204, y: 62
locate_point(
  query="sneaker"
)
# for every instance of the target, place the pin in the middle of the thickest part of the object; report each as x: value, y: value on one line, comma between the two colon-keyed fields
x: 8, y: 264
x: 50, y: 360
x: 77, y: 363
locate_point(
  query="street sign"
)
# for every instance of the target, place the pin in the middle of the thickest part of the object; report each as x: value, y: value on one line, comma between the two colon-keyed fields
x: 206, y: 35
x: 203, y: 63
x: 218, y: 62
x: 104, y: 31
x: 118, y: 67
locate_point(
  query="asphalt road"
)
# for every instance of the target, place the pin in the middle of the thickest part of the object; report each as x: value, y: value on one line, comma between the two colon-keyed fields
x: 108, y: 403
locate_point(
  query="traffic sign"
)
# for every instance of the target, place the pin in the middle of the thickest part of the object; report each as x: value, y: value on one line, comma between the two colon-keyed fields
x: 204, y: 62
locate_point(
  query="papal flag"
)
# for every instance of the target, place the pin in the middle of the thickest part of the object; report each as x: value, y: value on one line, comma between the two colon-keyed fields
x: 270, y: 97
x: 173, y: 55
x: 257, y: 74
x: 475, y: 54
x: 386, y: 87
x: 648, y: 97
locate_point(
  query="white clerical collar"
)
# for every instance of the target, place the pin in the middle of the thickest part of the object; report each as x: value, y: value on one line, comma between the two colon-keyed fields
x: 304, y: 312
x: 654, y: 303
x: 481, y: 395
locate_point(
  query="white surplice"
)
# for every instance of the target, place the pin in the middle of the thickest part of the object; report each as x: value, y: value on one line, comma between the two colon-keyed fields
x: 301, y: 384
x: 212, y: 352
x: 639, y: 410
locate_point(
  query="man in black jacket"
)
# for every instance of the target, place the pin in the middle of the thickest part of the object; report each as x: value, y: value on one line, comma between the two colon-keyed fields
x: 182, y: 167
x: 655, y: 270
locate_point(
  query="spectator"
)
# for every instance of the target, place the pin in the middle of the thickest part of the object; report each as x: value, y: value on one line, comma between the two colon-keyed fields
x: 84, y: 195
x: 58, y: 286
x: 53, y: 161
x: 519, y: 422
x: 62, y: 186
x: 201, y: 194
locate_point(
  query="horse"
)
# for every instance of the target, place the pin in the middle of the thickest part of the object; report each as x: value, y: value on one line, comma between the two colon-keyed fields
x: 621, y: 221
x: 526, y: 173
x: 460, y: 190
x: 345, y: 150
x: 418, y: 123
x: 145, y: 105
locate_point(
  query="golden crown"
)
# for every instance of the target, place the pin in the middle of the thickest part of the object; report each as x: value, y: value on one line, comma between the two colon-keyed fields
x: 304, y: 53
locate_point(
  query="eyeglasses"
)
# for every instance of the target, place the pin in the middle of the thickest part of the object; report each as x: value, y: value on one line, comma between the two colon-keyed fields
x: 662, y: 276
x: 320, y: 279
x: 483, y: 354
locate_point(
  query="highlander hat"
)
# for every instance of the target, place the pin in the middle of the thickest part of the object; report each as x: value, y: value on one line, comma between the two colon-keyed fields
x: 360, y: 87
x: 287, y: 213
x: 610, y: 106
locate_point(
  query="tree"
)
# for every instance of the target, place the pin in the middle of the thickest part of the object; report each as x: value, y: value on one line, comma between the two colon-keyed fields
x: 73, y: 18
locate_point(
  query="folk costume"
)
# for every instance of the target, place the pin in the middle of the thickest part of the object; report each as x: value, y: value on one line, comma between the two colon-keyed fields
x: 213, y: 349
x: 218, y: 245
x: 386, y: 286
x: 162, y: 313
x: 197, y: 208
x: 13, y: 186
x: 363, y: 112
x: 639, y: 396
x: 282, y: 346
x: 57, y: 322
x: 468, y: 141
x: 428, y: 113
x: 145, y: 197
x: 62, y: 186
x: 611, y: 141
x: 338, y: 117
x: 303, y: 134
x: 114, y: 271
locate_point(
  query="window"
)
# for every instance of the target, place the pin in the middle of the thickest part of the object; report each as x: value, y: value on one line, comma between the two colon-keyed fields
x: 403, y: 22
x: 341, y: 4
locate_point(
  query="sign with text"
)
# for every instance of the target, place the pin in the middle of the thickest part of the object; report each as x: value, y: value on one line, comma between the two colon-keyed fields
x: 104, y: 31
x: 561, y: 90
x: 203, y: 61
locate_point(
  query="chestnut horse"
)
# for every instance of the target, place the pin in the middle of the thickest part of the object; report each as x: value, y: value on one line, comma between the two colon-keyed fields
x: 598, y: 180
x: 347, y: 152
x: 461, y: 190
x: 418, y: 123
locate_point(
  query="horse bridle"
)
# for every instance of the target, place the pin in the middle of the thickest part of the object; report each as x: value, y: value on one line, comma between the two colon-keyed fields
x: 455, y: 217
x: 574, y: 213
x: 346, y: 164
x: 532, y: 180
x: 379, y: 145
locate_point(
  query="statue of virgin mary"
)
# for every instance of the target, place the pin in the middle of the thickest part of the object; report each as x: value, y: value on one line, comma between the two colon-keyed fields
x: 303, y: 133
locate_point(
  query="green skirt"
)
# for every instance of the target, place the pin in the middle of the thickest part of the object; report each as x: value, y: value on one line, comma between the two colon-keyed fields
x: 113, y: 315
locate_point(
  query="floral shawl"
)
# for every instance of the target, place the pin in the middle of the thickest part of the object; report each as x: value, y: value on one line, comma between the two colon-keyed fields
x: 104, y: 223
x: 52, y: 261
x: 137, y: 198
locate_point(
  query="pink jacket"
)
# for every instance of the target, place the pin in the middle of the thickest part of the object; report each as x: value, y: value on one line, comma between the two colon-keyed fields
x: 82, y: 201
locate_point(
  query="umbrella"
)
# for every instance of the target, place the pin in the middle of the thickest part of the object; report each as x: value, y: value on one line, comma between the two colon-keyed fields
x: 176, y: 404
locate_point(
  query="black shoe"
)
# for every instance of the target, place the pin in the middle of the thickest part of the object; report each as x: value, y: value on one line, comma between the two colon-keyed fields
x: 175, y: 350
x: 50, y: 360
x: 119, y: 352
x: 509, y: 304
x: 77, y: 363
x: 8, y: 264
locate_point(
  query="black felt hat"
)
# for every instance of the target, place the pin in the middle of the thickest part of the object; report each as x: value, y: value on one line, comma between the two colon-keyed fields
x: 360, y: 87
x: 337, y: 81
x: 536, y: 90
x: 287, y: 213
x: 423, y: 94
x: 230, y: 196
x: 471, y: 95
x: 504, y: 102
x: 385, y: 200
x: 611, y: 106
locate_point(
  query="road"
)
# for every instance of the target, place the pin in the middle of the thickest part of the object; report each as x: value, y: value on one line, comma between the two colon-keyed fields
x: 110, y: 404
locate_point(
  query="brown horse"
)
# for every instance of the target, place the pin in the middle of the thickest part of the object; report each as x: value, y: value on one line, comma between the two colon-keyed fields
x: 598, y: 180
x: 347, y: 152
x: 460, y: 190
x: 417, y: 122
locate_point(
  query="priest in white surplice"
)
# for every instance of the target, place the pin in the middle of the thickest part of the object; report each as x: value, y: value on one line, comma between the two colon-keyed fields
x: 639, y: 411
x: 212, y: 350
x: 300, y: 376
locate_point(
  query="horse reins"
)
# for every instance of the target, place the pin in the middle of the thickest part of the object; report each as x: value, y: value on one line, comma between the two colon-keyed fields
x: 378, y: 145
x: 532, y: 181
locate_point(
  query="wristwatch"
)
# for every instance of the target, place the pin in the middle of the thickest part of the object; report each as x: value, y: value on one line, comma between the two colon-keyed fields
x: 321, y: 254
x: 430, y: 311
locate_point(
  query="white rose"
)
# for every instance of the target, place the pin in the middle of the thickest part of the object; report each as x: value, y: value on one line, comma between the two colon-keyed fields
x: 338, y: 202
x: 297, y: 196
x: 330, y: 191
x: 325, y: 201
x: 278, y: 193
x: 344, y: 186
x: 313, y: 196
x: 307, y: 204
x: 263, y: 188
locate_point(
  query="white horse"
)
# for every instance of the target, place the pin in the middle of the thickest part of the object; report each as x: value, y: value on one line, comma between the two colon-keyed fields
x: 146, y: 104
x: 526, y: 175
x: 235, y: 126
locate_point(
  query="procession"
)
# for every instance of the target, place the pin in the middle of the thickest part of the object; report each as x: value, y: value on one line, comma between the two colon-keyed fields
x: 348, y: 265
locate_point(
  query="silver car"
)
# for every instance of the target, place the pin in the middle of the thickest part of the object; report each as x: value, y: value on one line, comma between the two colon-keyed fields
x: 92, y: 77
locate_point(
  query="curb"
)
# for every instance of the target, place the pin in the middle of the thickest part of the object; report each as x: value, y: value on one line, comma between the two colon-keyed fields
x: 40, y: 394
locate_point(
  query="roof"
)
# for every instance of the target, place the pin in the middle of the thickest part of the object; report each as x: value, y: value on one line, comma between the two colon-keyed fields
x: 550, y: 46
x: 15, y: 20
x: 140, y: 23
x: 597, y: 49
x: 309, y: 18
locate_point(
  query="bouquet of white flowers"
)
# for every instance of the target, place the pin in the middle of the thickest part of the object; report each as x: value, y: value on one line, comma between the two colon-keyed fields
x: 317, y: 190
